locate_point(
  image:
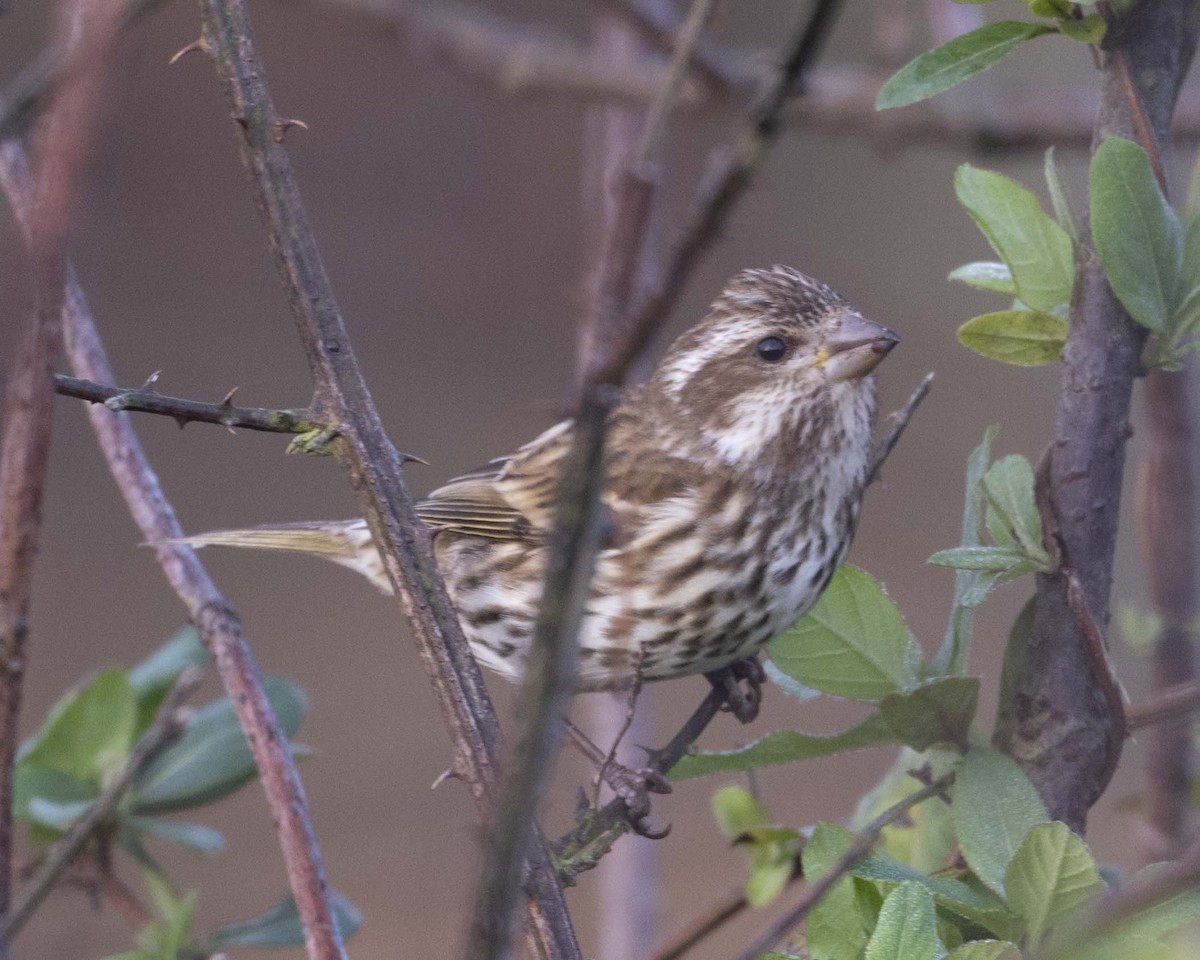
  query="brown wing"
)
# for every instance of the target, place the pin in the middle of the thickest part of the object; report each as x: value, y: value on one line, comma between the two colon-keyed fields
x: 510, y: 498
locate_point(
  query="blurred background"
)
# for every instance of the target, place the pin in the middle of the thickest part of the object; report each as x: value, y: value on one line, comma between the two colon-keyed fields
x: 452, y: 221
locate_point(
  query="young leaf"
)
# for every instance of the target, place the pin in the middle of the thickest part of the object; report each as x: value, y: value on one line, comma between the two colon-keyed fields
x: 951, y: 657
x: 979, y: 558
x: 836, y: 926
x: 153, y: 677
x: 736, y: 810
x: 950, y: 64
x: 280, y: 926
x: 1058, y: 197
x: 770, y: 851
x: 1037, y: 250
x: 1009, y: 486
x: 853, y: 643
x: 1051, y: 875
x: 784, y: 746
x: 1024, y: 338
x: 1138, y: 235
x: 1089, y: 29
x: 211, y: 759
x: 986, y: 275
x: 994, y: 806
x: 936, y: 712
x: 193, y: 835
x: 907, y: 927
x: 88, y: 734
x: 1016, y: 659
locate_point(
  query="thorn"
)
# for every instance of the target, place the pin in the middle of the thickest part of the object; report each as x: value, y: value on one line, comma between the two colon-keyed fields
x: 448, y: 774
x: 152, y: 380
x: 227, y: 400
x: 282, y: 127
x: 410, y: 458
x: 196, y: 46
x: 182, y: 421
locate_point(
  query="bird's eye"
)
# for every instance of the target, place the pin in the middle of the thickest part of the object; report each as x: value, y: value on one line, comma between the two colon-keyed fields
x: 771, y: 349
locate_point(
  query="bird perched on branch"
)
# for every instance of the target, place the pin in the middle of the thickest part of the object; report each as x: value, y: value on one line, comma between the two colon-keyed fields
x: 733, y: 477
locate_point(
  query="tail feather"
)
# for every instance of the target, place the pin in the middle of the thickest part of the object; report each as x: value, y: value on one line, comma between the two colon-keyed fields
x: 346, y: 542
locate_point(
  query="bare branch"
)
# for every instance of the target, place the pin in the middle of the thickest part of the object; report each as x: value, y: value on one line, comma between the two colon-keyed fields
x: 342, y: 397
x: 897, y: 423
x: 860, y: 846
x: 727, y: 908
x: 209, y: 610
x: 63, y: 854
x: 145, y: 400
x: 1173, y: 703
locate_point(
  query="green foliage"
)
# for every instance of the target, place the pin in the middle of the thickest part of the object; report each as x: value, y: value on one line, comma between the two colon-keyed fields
x: 961, y: 58
x: 770, y: 850
x: 838, y: 925
x: 280, y: 926
x: 853, y: 643
x: 933, y: 713
x: 1051, y: 875
x: 906, y: 928
x: 953, y: 62
x: 994, y: 806
x: 88, y: 738
x: 1025, y: 338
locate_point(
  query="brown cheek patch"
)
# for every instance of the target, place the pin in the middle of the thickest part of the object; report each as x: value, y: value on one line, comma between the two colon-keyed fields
x: 709, y: 393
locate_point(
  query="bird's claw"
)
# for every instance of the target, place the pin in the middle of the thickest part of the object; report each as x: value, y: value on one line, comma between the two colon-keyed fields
x: 634, y: 788
x: 741, y: 682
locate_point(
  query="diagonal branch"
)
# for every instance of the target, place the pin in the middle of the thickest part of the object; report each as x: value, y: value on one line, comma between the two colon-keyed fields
x: 209, y: 610
x: 343, y: 400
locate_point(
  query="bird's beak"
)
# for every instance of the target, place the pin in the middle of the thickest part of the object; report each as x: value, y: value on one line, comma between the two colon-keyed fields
x: 855, y: 348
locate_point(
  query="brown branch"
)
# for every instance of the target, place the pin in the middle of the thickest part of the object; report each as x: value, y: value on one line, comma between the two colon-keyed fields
x: 860, y: 846
x: 1170, y: 703
x: 1063, y: 730
x: 897, y: 422
x: 727, y: 908
x: 146, y: 400
x: 209, y: 610
x: 62, y: 855
x: 342, y: 398
x: 86, y: 27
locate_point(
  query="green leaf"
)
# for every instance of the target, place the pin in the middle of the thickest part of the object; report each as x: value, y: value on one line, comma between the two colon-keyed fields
x: 1037, y: 250
x: 853, y: 643
x: 938, y: 711
x: 994, y: 806
x: 1051, y: 875
x: 1009, y: 486
x: 1137, y: 234
x: 924, y: 839
x: 986, y: 275
x: 950, y: 64
x: 211, y: 759
x: 192, y: 835
x: 951, y: 657
x: 907, y: 926
x: 32, y: 781
x: 985, y: 950
x: 1024, y: 338
x: 1058, y: 197
x: 789, y: 685
x: 154, y: 676
x: 947, y: 891
x: 736, y: 810
x: 979, y: 558
x: 280, y: 926
x: 784, y: 746
x: 55, y: 815
x: 836, y: 926
x: 1089, y: 29
x: 1188, y: 295
x: 88, y: 734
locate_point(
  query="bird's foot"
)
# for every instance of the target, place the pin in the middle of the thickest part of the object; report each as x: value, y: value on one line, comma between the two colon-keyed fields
x: 634, y: 788
x: 741, y: 682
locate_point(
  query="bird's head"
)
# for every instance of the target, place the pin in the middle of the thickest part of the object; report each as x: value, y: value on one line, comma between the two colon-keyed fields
x: 778, y: 358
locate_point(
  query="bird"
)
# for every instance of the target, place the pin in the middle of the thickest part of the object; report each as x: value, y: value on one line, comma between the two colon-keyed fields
x: 733, y: 480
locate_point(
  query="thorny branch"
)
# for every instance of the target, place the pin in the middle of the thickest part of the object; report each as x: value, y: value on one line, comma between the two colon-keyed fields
x: 63, y: 854
x: 341, y: 397
x: 209, y: 610
x: 147, y: 400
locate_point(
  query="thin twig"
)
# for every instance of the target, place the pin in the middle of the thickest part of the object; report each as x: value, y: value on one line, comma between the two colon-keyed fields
x: 731, y: 905
x: 897, y: 423
x: 860, y: 846
x: 209, y: 610
x: 1169, y: 704
x: 342, y: 397
x: 62, y: 855
x: 145, y: 400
